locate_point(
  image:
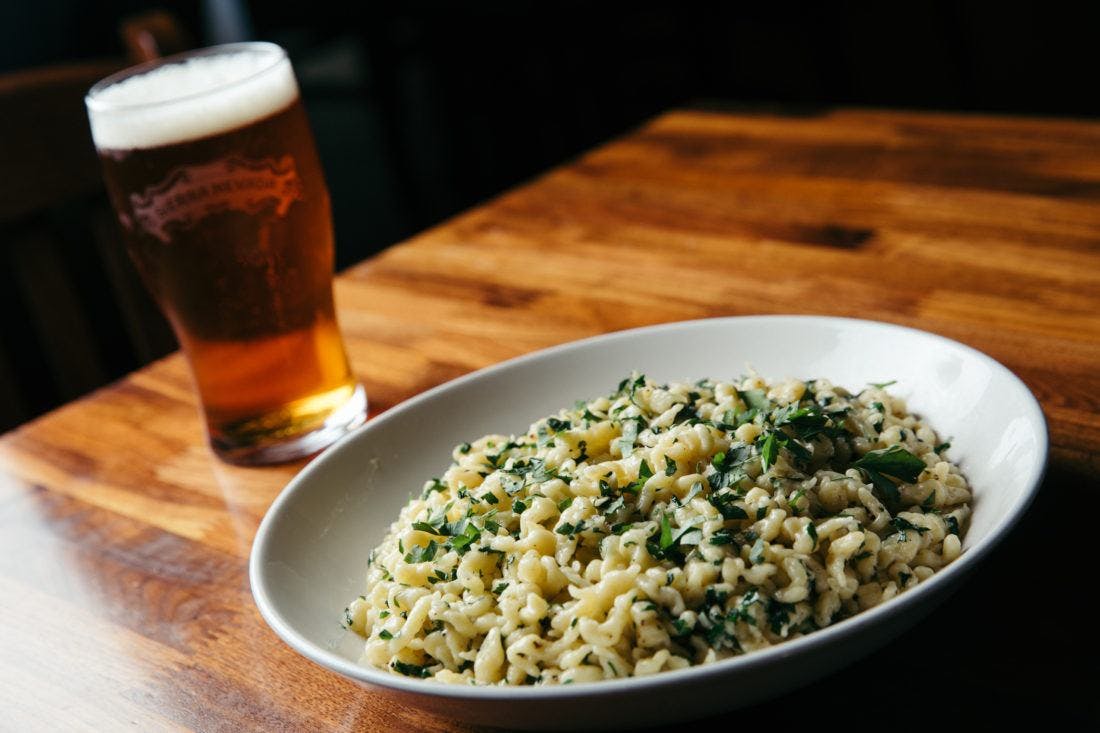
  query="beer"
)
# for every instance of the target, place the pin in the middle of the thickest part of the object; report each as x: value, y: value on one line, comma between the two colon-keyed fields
x: 211, y: 168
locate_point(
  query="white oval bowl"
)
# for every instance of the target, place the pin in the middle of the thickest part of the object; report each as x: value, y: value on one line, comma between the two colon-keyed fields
x: 310, y: 553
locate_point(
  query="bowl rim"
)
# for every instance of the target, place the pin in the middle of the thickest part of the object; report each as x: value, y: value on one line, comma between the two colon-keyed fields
x: 834, y: 633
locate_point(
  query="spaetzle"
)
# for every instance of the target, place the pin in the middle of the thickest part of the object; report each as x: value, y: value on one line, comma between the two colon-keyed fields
x: 659, y: 527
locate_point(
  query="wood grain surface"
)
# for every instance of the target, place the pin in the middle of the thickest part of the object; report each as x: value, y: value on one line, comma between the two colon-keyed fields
x: 123, y: 543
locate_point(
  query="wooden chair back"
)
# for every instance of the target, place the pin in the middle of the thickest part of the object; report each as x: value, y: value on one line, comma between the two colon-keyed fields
x: 73, y: 314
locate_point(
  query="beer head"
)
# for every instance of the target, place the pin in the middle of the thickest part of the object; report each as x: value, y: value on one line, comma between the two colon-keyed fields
x: 191, y: 96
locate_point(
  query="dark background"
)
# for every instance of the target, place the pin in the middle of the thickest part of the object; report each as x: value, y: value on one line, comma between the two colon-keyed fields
x: 422, y: 109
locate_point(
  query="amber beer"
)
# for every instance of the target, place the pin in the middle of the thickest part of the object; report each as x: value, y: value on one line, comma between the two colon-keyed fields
x: 211, y: 167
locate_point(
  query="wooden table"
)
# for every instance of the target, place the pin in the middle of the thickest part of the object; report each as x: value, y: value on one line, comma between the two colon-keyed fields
x: 124, y: 599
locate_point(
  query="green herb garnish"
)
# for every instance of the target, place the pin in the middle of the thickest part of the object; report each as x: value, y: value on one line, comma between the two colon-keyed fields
x: 769, y: 450
x: 883, y: 466
x: 422, y: 553
x: 411, y: 670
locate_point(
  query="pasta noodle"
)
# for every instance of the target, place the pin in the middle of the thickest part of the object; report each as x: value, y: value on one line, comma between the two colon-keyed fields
x: 659, y: 527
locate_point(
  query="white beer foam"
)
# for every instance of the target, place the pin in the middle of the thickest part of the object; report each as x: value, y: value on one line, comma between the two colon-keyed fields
x: 192, y: 99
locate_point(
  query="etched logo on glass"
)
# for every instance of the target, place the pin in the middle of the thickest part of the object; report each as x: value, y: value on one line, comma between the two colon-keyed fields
x: 192, y: 193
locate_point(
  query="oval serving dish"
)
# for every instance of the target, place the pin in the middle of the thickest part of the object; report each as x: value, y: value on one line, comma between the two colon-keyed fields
x: 310, y: 553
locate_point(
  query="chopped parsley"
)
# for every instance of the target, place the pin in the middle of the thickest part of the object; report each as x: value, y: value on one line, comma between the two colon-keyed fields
x: 411, y: 670
x: 806, y: 422
x: 723, y: 502
x: 884, y: 466
x: 433, y: 486
x: 779, y: 615
x: 422, y: 553
x: 901, y: 525
x: 930, y: 500
x: 558, y: 425
x: 721, y: 537
x: 667, y: 545
x: 681, y: 627
x: 728, y: 467
x: 644, y: 474
x: 769, y: 450
x: 741, y: 612
x: 568, y: 529
x: 755, y: 398
x: 952, y: 525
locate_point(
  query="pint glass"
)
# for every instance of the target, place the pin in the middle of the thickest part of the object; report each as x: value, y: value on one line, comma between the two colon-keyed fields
x: 211, y: 168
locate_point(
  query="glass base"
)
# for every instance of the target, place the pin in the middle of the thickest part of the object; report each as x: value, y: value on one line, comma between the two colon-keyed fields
x: 269, y: 450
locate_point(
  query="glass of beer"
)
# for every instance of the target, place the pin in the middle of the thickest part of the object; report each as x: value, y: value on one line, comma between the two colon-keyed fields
x: 212, y: 170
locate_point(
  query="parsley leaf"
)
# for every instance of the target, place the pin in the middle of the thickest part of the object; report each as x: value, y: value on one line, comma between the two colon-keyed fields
x: 901, y: 524
x: 755, y: 398
x: 567, y: 529
x: 411, y: 670
x: 670, y: 466
x: 721, y: 537
x: 429, y: 528
x: 886, y: 487
x: 769, y: 450
x: 953, y: 526
x: 666, y: 532
x: 462, y: 540
x: 741, y: 613
x: 779, y: 615
x: 669, y: 545
x: 682, y: 627
x: 644, y: 474
x: 930, y: 500
x: 806, y: 421
x: 728, y: 467
x: 723, y: 502
x: 895, y: 461
x: 558, y: 425
x: 422, y: 553
x: 431, y: 487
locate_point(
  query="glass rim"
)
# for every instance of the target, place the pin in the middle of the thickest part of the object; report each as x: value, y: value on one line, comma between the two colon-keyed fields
x: 94, y: 104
